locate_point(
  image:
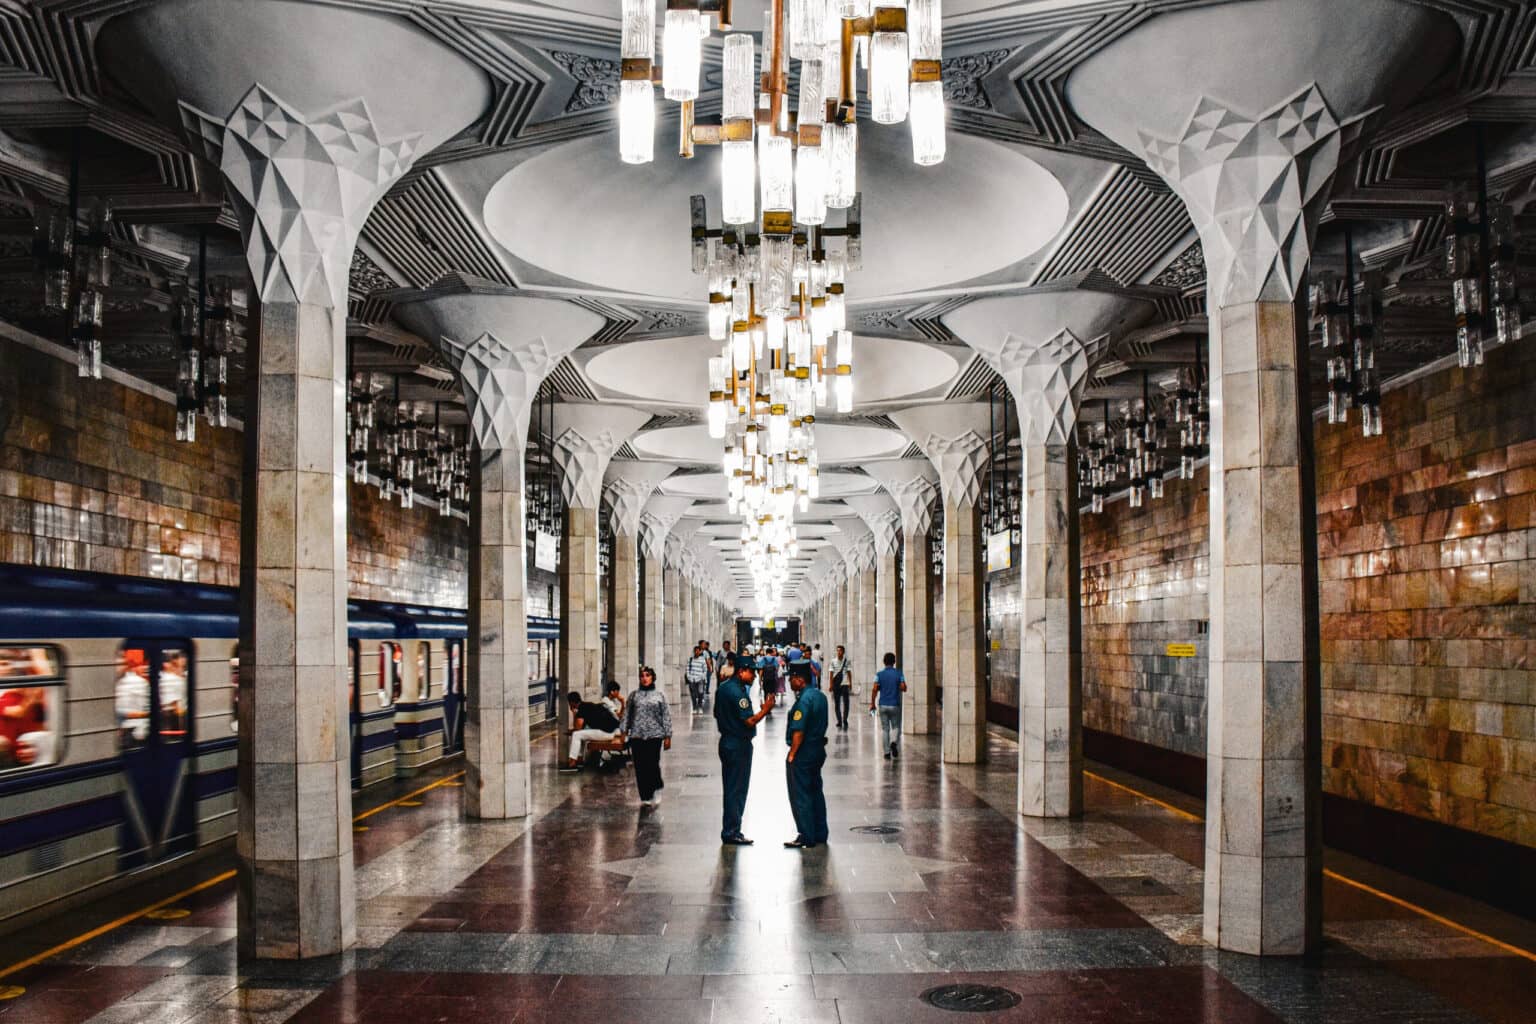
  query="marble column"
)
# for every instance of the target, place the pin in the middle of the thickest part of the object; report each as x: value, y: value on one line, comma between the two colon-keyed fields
x: 1044, y: 346
x: 586, y: 436
x: 884, y: 521
x: 679, y: 645
x: 627, y: 488
x: 498, y: 376
x: 294, y: 822
x: 305, y: 149
x: 912, y: 483
x: 1254, y: 158
x: 954, y: 437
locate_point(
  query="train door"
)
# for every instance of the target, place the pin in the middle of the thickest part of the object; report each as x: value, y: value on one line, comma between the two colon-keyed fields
x: 453, y: 697
x: 354, y: 713
x: 152, y: 700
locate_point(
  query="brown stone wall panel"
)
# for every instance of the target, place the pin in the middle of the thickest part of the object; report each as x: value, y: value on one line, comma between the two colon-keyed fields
x: 1427, y: 584
x: 92, y: 478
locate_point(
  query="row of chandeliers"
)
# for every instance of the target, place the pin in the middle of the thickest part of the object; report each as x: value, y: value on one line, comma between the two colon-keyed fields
x: 1138, y: 455
x: 777, y: 297
x: 410, y: 456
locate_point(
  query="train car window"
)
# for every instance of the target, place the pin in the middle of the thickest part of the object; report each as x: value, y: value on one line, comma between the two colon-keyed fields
x: 397, y: 671
x: 351, y: 676
x: 234, y: 687
x: 130, y: 699
x: 175, y: 683
x: 450, y: 666
x: 424, y: 669
x: 386, y: 669
x: 533, y: 660
x: 31, y: 707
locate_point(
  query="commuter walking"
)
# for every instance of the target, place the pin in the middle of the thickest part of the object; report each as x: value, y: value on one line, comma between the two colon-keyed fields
x: 738, y: 726
x: 648, y: 729
x: 807, y: 739
x: 890, y: 684
x: 697, y: 677
x: 840, y: 673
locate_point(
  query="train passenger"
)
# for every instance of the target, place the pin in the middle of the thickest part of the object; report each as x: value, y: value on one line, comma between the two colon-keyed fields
x: 173, y: 693
x: 131, y: 697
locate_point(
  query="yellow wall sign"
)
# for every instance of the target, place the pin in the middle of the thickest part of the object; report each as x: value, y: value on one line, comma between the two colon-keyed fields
x: 1180, y: 650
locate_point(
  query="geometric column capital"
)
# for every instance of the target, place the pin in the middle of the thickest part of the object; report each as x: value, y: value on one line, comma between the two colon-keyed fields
x: 304, y: 187
x: 1046, y: 379
x: 1254, y: 185
x: 659, y: 514
x: 628, y: 486
x: 954, y: 437
x: 586, y: 436
x: 501, y: 347
x: 911, y: 483
x: 881, y: 515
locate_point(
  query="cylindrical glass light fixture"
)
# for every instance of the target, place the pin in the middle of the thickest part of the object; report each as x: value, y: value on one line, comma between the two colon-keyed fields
x: 810, y: 186
x: 637, y: 122
x: 888, y: 74
x: 927, y: 117
x: 776, y: 167
x: 680, y: 54
x: 840, y: 144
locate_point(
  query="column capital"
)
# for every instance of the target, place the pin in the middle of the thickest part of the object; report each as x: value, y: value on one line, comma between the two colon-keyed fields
x: 500, y: 370
x: 1045, y: 343
x: 954, y: 437
x: 1254, y: 185
x: 659, y: 514
x: 586, y: 436
x: 911, y: 483
x: 881, y: 515
x: 628, y: 486
x: 304, y: 185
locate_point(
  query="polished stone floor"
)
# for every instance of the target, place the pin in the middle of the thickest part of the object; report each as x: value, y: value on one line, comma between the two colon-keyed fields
x: 595, y: 909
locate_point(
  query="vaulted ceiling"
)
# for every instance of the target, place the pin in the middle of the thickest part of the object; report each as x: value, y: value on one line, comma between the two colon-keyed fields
x: 532, y: 199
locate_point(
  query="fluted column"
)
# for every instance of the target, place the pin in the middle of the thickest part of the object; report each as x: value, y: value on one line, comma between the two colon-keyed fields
x: 586, y: 437
x: 954, y: 437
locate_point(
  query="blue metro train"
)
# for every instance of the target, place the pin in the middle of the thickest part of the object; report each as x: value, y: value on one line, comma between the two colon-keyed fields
x: 117, y: 717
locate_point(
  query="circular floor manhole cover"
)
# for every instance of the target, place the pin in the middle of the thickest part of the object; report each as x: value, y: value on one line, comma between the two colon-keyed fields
x: 875, y: 830
x: 971, y: 998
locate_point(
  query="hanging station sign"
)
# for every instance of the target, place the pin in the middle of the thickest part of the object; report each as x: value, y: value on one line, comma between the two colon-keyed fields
x: 999, y: 551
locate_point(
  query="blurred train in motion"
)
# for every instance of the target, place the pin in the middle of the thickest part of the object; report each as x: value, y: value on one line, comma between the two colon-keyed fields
x: 118, y: 717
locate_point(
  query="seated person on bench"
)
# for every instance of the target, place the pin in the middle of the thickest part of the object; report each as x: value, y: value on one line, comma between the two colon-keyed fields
x: 590, y: 723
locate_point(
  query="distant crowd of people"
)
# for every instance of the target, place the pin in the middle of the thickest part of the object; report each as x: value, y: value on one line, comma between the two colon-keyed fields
x: 638, y: 728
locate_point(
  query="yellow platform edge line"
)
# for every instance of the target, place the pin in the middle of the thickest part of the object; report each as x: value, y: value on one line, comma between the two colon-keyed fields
x: 1397, y: 901
x: 101, y: 930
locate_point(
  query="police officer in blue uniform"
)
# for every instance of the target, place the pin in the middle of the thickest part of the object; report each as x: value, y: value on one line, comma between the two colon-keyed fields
x: 807, y: 738
x: 738, y: 726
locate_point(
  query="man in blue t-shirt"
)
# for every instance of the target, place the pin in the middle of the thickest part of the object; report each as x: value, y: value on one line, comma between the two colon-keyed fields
x: 890, y: 684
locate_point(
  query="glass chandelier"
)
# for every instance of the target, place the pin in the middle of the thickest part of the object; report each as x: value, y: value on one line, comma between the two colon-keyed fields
x: 805, y: 155
x: 76, y: 270
x: 405, y: 448
x: 1134, y: 455
x: 1348, y: 326
x: 1480, y: 261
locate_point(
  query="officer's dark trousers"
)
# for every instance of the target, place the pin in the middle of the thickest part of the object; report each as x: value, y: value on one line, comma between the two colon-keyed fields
x: 806, y: 800
x: 735, y: 777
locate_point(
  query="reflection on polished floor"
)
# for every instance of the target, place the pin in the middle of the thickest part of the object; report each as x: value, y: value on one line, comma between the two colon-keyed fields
x: 594, y: 909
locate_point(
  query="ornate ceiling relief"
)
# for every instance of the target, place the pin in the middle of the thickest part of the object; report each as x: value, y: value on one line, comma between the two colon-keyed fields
x: 963, y: 75
x: 597, y: 80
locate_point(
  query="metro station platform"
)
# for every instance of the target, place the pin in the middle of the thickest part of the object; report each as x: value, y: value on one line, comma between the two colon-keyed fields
x: 592, y: 908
